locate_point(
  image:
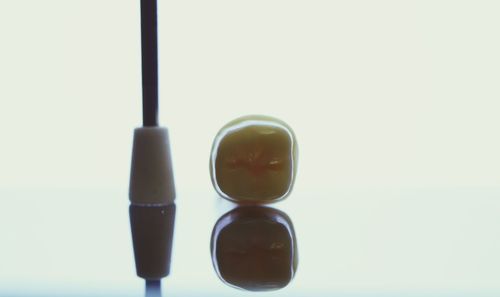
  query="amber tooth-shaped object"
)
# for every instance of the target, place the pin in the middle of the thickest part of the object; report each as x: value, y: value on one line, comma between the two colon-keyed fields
x: 254, y: 160
x: 254, y: 248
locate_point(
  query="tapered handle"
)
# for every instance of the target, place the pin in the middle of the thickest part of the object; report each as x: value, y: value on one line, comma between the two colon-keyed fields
x: 151, y: 177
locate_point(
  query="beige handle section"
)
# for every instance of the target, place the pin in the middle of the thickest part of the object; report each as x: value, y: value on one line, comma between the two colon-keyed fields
x: 151, y: 177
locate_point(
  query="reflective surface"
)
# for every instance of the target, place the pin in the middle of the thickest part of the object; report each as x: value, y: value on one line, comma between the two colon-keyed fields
x: 255, y: 248
x: 352, y: 242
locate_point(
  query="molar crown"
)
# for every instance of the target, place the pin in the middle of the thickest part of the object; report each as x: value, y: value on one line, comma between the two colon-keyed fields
x: 254, y: 160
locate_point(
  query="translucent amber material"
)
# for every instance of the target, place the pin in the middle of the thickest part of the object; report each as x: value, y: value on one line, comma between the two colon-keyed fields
x: 254, y: 248
x: 254, y: 159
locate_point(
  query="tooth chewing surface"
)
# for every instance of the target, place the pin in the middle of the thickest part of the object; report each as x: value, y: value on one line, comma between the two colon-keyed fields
x: 254, y: 160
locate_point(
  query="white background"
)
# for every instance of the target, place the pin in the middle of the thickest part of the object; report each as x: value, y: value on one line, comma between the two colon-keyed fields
x: 380, y: 93
x: 394, y: 103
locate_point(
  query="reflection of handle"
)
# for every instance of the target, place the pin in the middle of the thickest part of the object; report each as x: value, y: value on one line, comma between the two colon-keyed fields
x: 152, y: 235
x: 153, y: 288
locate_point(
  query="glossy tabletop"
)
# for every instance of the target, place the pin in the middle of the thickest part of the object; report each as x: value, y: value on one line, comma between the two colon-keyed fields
x: 405, y: 242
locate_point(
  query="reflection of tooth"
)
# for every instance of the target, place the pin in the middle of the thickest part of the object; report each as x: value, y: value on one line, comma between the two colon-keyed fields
x: 277, y: 246
x: 254, y: 159
x: 255, y: 248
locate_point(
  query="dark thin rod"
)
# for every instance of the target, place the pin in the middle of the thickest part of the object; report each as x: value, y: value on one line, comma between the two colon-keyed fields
x: 153, y: 288
x: 149, y: 37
